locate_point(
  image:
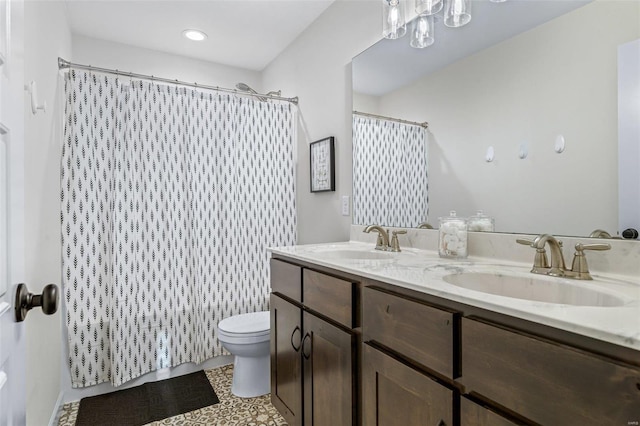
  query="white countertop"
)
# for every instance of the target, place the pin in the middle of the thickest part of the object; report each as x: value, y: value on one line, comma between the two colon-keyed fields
x: 423, y: 271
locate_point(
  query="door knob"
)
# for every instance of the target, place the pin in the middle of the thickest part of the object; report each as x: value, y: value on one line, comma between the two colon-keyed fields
x: 25, y: 301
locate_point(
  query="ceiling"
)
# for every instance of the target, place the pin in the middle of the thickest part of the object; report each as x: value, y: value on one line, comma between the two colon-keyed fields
x: 391, y: 64
x: 247, y: 34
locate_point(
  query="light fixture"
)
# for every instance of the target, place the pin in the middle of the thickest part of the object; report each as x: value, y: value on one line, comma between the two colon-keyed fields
x: 457, y: 13
x: 195, y: 35
x: 422, y: 32
x: 428, y: 7
x: 393, y: 20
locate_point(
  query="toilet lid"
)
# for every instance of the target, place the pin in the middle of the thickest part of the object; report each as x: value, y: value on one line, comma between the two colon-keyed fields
x: 253, y: 322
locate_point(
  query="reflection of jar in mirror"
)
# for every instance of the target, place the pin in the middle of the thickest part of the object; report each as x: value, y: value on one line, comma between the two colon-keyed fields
x: 452, y: 237
x: 481, y: 223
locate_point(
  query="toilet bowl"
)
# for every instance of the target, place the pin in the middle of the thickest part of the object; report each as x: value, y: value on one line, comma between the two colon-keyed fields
x: 246, y: 336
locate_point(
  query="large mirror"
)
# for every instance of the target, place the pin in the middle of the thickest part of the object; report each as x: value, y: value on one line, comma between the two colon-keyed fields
x: 535, y: 83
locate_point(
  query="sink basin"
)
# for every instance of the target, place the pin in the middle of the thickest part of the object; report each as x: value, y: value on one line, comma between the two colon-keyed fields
x: 533, y: 288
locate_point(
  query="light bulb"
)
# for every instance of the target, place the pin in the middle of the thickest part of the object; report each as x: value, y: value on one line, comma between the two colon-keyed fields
x: 393, y: 17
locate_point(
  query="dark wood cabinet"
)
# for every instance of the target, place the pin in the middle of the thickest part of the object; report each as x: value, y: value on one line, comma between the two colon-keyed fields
x: 394, y: 394
x: 474, y: 414
x: 407, y: 344
x: 328, y: 354
x: 412, y: 328
x: 286, y: 363
x: 314, y: 376
x: 546, y: 381
x: 347, y: 350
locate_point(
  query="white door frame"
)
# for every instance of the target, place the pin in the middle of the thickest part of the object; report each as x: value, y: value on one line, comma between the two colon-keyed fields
x: 12, y: 339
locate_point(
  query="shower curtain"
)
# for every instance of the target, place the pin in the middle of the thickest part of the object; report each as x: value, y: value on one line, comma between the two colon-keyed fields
x: 170, y: 196
x: 390, y: 183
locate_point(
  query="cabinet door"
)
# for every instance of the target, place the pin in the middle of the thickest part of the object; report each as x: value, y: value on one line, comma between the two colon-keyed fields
x: 545, y: 381
x: 423, y: 333
x: 472, y: 414
x: 332, y: 297
x: 286, y: 365
x: 329, y: 374
x: 397, y: 395
x: 286, y: 279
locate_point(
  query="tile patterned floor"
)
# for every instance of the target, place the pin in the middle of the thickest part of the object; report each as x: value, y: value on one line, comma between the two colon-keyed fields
x: 230, y: 411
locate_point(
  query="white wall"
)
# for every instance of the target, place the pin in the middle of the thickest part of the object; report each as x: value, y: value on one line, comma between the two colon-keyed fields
x: 317, y: 68
x: 46, y: 37
x: 561, y: 80
x: 106, y: 54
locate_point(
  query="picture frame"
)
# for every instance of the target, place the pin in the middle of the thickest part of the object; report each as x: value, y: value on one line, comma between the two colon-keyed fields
x: 322, y: 165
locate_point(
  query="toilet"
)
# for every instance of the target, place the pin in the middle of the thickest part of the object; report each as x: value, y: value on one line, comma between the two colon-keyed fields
x: 246, y: 336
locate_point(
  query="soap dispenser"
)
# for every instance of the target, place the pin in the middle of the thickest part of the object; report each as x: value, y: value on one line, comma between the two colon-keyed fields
x: 452, y: 237
x: 481, y: 223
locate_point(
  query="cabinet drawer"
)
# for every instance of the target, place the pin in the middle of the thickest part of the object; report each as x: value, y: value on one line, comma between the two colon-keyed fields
x: 472, y: 414
x: 545, y: 381
x: 394, y: 394
x: 286, y: 279
x: 418, y: 331
x: 332, y: 297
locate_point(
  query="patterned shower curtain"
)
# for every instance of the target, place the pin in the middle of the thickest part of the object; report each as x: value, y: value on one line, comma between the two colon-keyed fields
x: 170, y: 196
x: 390, y: 184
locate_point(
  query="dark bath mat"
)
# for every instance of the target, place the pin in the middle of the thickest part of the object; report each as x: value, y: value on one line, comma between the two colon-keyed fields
x: 148, y: 402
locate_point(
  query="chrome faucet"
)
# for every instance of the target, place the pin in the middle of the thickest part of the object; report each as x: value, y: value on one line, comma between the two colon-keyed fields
x: 382, y: 243
x: 579, y: 268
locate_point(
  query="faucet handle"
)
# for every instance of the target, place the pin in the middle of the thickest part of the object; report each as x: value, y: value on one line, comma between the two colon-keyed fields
x: 579, y: 265
x: 599, y: 246
x: 395, y: 244
x: 540, y: 261
x: 524, y: 242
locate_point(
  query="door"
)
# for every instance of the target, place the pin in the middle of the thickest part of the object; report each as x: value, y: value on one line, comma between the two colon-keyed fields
x: 12, y: 340
x: 328, y: 354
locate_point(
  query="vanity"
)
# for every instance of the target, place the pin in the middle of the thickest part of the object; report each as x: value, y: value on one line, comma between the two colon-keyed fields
x: 362, y: 336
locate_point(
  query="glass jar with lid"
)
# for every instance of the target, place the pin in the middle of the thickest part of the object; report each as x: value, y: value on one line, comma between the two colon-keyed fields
x: 480, y: 223
x: 452, y: 236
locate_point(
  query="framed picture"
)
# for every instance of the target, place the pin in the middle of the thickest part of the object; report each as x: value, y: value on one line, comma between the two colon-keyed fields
x: 321, y: 155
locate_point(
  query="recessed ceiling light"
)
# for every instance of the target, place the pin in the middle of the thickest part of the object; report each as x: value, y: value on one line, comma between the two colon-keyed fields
x: 194, y: 35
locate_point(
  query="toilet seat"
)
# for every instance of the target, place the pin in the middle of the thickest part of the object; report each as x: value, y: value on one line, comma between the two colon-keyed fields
x: 251, y: 325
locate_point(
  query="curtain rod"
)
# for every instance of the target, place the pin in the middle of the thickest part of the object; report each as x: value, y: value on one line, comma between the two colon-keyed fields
x: 62, y: 64
x: 399, y: 120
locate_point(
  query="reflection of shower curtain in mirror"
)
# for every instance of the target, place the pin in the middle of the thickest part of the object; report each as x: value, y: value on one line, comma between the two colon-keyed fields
x: 389, y: 173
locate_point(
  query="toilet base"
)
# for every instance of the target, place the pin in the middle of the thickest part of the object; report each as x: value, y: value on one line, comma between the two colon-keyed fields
x: 251, y: 376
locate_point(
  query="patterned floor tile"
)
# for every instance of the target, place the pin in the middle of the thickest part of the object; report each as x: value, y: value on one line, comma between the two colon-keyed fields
x: 230, y: 411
